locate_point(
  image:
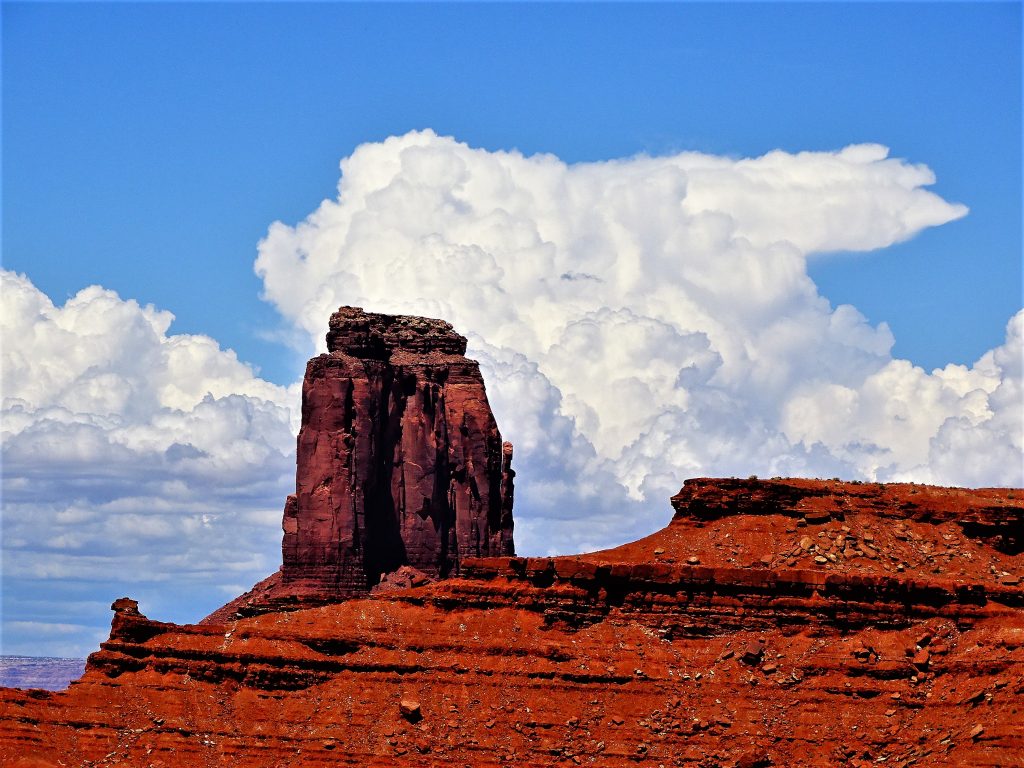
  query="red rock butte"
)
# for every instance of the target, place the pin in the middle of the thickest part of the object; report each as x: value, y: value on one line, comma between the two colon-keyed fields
x: 782, y: 622
x: 399, y: 464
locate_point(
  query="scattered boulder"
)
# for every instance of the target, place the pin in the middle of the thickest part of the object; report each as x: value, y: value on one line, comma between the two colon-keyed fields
x: 410, y: 710
x: 753, y: 652
x: 405, y: 577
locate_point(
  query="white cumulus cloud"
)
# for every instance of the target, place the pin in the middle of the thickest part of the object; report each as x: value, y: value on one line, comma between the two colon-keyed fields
x: 644, y: 320
x: 131, y: 455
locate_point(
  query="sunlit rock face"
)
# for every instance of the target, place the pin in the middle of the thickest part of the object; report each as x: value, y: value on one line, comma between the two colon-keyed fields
x: 400, y: 461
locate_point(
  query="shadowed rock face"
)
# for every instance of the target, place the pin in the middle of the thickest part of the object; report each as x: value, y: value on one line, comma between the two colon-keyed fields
x: 399, y: 458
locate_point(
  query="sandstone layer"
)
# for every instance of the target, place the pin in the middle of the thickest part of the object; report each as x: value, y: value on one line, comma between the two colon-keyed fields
x: 782, y: 622
x: 399, y: 463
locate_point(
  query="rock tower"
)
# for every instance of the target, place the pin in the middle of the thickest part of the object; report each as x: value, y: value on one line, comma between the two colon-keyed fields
x: 399, y: 459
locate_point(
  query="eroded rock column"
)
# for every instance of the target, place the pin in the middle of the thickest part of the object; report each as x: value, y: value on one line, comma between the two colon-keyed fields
x: 400, y: 461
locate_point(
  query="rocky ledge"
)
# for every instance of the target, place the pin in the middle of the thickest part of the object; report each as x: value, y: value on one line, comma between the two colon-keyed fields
x: 752, y: 631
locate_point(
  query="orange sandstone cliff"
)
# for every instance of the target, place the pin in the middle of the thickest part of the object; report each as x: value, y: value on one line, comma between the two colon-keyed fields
x: 780, y: 622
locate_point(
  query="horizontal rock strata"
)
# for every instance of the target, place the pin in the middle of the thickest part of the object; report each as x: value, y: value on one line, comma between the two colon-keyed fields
x: 757, y: 654
x: 990, y: 513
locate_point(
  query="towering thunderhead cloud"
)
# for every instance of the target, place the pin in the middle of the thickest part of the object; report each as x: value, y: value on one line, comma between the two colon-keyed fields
x: 400, y: 461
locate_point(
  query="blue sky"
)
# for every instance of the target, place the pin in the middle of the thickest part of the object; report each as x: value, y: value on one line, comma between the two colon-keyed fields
x: 147, y: 144
x: 733, y: 310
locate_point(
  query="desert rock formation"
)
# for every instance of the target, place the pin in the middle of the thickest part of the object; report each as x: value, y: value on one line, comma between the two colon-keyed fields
x: 786, y: 622
x: 781, y: 622
x: 399, y: 463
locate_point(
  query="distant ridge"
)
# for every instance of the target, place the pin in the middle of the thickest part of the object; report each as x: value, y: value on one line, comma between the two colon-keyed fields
x: 47, y: 672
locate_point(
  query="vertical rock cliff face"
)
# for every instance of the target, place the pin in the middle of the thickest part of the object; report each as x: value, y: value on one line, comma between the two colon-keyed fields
x: 400, y: 461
